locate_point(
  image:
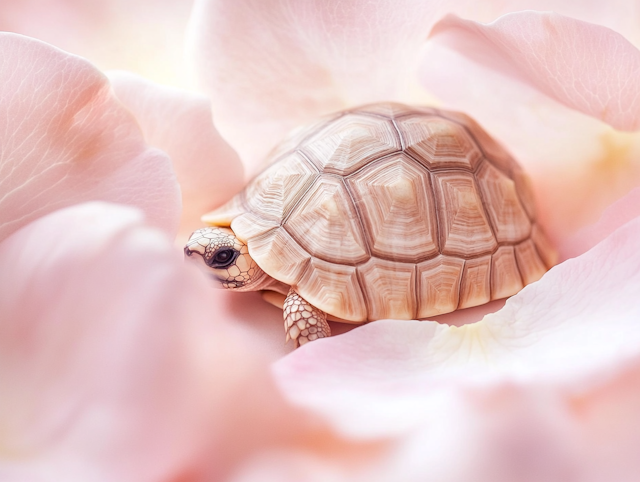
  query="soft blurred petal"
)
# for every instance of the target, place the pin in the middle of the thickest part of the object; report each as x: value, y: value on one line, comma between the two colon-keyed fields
x: 579, y: 165
x: 524, y: 433
x: 119, y: 362
x: 143, y: 36
x: 96, y: 360
x: 573, y: 327
x: 66, y: 139
x: 180, y: 123
x: 270, y: 66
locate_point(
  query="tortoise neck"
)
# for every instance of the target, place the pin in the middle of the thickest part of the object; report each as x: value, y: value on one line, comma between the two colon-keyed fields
x: 262, y: 281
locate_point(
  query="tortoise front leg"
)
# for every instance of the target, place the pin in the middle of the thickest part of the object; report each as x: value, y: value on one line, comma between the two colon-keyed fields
x: 302, y: 321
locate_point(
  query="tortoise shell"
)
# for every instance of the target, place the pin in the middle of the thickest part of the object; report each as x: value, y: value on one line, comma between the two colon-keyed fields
x: 391, y: 211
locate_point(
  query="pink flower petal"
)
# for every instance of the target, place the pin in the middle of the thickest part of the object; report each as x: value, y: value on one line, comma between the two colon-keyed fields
x: 180, y: 123
x: 271, y: 66
x: 65, y: 140
x: 618, y: 15
x: 96, y: 370
x: 579, y: 165
x: 587, y: 67
x: 145, y: 36
x: 615, y: 216
x: 119, y: 362
x: 573, y: 328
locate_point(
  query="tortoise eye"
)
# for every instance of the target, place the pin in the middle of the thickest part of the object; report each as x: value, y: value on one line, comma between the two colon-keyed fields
x: 223, y: 258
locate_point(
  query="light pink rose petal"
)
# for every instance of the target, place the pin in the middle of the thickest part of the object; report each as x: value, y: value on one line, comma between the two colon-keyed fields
x: 506, y: 433
x: 618, y: 15
x: 573, y: 328
x: 66, y: 139
x: 585, y: 66
x: 270, y: 66
x: 145, y: 36
x: 97, y: 364
x: 119, y: 362
x: 615, y: 216
x: 524, y: 433
x: 579, y: 165
x: 180, y: 123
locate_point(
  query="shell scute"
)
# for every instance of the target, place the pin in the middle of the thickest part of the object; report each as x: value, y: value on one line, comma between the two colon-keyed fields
x: 276, y: 252
x: 391, y: 211
x: 326, y: 224
x: 395, y: 200
x: 438, y: 285
x: 274, y: 192
x: 390, y: 289
x: 248, y: 226
x: 505, y: 275
x: 509, y: 219
x: 531, y: 266
x: 334, y: 288
x: 350, y: 142
x: 492, y: 150
x: 464, y: 228
x: 475, y: 287
x: 439, y: 143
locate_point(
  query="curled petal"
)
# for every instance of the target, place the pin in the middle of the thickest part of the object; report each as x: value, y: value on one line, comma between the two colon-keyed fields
x: 578, y: 164
x: 180, y: 123
x: 587, y: 67
x: 574, y: 328
x: 66, y: 139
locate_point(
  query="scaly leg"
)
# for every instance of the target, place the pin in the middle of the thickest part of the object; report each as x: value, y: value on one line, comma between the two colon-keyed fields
x: 302, y: 321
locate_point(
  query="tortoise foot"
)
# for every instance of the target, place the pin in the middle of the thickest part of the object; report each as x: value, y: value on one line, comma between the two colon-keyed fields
x: 302, y: 321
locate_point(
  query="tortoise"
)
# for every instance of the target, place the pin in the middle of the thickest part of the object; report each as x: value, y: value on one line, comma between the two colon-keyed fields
x: 381, y: 211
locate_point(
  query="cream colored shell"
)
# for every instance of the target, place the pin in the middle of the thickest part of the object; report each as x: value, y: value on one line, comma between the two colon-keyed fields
x: 390, y: 211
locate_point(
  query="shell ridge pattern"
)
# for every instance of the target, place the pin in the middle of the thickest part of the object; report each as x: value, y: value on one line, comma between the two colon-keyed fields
x: 358, y: 216
x: 464, y: 267
x: 439, y: 233
x: 325, y: 209
x: 386, y: 177
x: 518, y: 265
x: 465, y: 126
x: 403, y: 143
x: 367, y: 302
x: 351, y: 142
x: 485, y: 207
x: 299, y: 199
x: 400, y: 225
x: 307, y: 266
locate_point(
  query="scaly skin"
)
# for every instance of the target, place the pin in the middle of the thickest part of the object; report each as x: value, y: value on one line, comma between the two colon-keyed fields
x: 302, y: 321
x: 243, y: 274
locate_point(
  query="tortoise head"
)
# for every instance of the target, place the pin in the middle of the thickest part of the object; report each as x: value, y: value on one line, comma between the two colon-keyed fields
x: 225, y: 258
